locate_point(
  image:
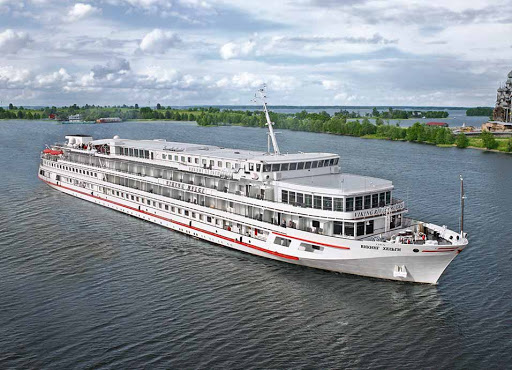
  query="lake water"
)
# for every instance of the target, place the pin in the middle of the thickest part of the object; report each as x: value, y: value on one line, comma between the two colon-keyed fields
x: 83, y: 286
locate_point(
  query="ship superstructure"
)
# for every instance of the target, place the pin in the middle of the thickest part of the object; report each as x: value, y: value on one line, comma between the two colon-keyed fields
x: 298, y: 208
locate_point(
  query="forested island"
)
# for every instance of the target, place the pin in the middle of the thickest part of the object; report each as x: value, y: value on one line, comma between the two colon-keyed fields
x: 342, y: 122
x: 479, y: 111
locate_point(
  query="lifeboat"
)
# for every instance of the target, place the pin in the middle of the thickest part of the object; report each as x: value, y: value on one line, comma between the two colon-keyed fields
x: 53, y: 152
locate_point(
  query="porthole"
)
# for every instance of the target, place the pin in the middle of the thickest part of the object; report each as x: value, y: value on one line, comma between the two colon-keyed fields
x: 415, y: 250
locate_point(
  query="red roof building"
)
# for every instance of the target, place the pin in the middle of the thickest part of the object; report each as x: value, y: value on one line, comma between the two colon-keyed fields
x: 440, y: 124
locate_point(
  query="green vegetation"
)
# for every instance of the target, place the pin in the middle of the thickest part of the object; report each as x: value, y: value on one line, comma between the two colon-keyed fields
x: 462, y: 141
x: 479, y: 111
x: 488, y: 140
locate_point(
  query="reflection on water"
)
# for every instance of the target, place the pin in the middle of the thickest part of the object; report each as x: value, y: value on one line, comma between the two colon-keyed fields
x: 84, y: 285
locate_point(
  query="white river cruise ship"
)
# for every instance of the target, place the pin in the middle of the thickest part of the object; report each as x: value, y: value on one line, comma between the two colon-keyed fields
x: 297, y: 208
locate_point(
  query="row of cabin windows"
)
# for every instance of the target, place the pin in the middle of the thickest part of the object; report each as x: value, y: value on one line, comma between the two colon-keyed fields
x: 195, y: 160
x: 336, y: 204
x: 353, y: 228
x: 300, y: 165
x: 73, y: 169
x: 139, y: 153
x: 173, y: 209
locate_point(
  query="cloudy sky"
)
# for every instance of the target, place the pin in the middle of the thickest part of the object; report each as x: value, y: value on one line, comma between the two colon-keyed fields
x: 314, y: 52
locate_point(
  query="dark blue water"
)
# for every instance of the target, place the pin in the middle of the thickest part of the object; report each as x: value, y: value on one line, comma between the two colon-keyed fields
x: 82, y: 286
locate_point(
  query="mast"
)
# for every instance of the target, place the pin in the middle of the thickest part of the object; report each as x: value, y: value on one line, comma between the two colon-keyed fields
x: 462, y: 197
x: 262, y: 97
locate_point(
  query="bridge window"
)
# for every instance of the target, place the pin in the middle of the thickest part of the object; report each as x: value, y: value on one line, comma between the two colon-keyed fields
x: 375, y: 200
x: 293, y: 166
x: 300, y: 166
x: 291, y: 197
x: 336, y: 160
x: 307, y: 165
x: 367, y: 201
x: 284, y: 167
x: 275, y: 167
x: 338, y: 204
x: 328, y: 203
x: 359, y: 203
x: 388, y: 197
x: 308, y: 200
x: 317, y: 202
x: 267, y: 168
x: 349, y: 204
x: 300, y: 199
x: 314, y: 164
x: 382, y: 200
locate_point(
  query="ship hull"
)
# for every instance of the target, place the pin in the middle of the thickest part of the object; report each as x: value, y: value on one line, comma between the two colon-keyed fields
x: 364, y: 258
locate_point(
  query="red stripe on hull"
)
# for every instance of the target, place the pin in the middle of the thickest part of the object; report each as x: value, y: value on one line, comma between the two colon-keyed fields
x: 181, y: 224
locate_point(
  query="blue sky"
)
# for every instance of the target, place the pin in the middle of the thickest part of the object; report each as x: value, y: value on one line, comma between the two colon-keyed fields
x: 308, y: 52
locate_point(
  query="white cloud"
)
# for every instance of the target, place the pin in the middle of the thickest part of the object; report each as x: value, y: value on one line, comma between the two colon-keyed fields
x: 80, y: 11
x: 55, y: 78
x: 232, y: 50
x: 250, y: 81
x: 159, y: 42
x: 331, y: 84
x: 11, y: 77
x: 12, y: 42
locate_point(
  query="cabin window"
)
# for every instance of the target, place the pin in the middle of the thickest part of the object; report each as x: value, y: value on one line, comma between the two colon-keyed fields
x: 251, y: 166
x: 284, y: 196
x: 267, y: 168
x: 317, y: 202
x: 382, y: 199
x: 360, y: 228
x: 186, y: 213
x: 183, y: 158
x: 258, y: 167
x: 349, y: 204
x: 315, y: 223
x: 300, y: 166
x: 375, y: 200
x: 284, y: 167
x: 349, y: 228
x: 164, y: 156
x: 282, y: 241
x: 307, y: 165
x: 146, y: 154
x: 148, y: 202
x: 337, y: 228
x: 131, y: 152
x: 275, y: 167
x: 338, y: 204
x: 388, y: 197
x: 314, y: 164
x: 176, y: 158
x: 359, y: 203
x: 136, y: 152
x: 196, y: 160
x: 291, y: 197
x: 310, y: 247
x: 369, y: 227
x: 367, y: 201
x: 189, y: 159
x: 308, y: 200
x: 300, y: 199
x: 328, y: 203
x: 228, y: 165
x: 208, y: 219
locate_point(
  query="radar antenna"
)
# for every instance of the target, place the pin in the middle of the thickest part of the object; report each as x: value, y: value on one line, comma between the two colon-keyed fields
x: 262, y: 97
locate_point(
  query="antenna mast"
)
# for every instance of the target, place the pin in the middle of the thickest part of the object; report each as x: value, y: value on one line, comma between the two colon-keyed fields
x: 261, y: 96
x: 462, y: 197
